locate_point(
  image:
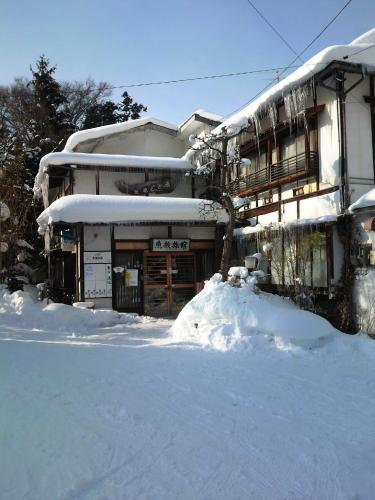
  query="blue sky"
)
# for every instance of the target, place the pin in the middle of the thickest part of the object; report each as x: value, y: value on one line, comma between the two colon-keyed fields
x: 133, y: 41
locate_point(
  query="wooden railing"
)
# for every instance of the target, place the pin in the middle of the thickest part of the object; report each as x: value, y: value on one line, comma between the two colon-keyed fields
x: 281, y: 172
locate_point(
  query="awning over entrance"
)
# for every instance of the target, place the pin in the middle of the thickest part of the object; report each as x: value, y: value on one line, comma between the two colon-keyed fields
x: 106, y: 209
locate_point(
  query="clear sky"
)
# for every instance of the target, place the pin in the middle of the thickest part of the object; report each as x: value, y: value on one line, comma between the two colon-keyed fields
x: 132, y: 41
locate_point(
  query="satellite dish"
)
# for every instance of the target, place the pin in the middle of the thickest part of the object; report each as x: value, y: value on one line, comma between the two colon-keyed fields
x: 4, y: 212
x: 3, y: 246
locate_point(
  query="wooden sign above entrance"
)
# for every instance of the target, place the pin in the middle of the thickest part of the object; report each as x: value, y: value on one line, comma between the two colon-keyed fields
x: 170, y: 245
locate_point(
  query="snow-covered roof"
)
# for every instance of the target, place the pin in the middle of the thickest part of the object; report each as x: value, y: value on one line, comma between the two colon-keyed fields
x: 203, y: 114
x: 365, y: 201
x: 245, y: 231
x: 116, y: 128
x: 106, y: 209
x: 125, y: 161
x: 360, y: 51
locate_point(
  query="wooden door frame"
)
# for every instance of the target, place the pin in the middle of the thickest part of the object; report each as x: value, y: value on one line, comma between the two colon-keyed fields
x: 115, y: 306
x: 169, y: 286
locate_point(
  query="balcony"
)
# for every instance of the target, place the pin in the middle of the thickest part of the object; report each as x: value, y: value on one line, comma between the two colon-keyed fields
x: 284, y: 171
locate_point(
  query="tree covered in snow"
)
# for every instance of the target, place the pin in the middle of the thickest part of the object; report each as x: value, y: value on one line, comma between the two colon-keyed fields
x: 217, y: 158
x: 37, y: 116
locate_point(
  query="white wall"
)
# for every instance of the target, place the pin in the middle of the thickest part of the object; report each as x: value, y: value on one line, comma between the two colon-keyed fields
x: 328, y: 138
x: 319, y: 206
x: 142, y: 141
x: 359, y: 140
x: 84, y: 182
x: 149, y: 232
x: 97, y: 238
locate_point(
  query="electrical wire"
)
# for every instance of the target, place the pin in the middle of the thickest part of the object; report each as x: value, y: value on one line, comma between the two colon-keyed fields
x: 288, y: 45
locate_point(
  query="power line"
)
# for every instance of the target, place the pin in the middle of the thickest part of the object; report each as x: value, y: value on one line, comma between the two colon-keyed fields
x: 205, y: 77
x: 298, y: 55
x: 321, y: 32
x: 274, y: 29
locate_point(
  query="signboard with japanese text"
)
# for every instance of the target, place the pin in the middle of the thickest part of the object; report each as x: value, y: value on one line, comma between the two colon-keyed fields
x: 98, y: 274
x: 170, y: 245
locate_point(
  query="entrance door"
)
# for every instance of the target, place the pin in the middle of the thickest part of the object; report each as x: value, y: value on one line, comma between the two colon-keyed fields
x: 128, y: 296
x: 169, y: 282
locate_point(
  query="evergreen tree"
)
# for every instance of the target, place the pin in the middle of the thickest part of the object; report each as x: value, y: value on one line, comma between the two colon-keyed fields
x: 100, y: 113
x: 128, y: 109
x: 36, y: 118
x: 108, y: 112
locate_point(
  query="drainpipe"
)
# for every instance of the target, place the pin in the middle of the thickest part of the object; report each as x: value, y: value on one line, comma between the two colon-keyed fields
x: 340, y: 94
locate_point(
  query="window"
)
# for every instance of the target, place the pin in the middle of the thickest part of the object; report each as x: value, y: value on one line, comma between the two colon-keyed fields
x: 292, y: 145
x: 268, y: 198
x: 298, y: 191
x: 258, y: 161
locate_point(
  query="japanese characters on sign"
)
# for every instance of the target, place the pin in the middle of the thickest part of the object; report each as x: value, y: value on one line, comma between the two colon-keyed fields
x: 97, y: 274
x: 170, y: 245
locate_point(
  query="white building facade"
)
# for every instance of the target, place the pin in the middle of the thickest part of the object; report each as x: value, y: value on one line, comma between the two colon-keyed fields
x: 125, y: 225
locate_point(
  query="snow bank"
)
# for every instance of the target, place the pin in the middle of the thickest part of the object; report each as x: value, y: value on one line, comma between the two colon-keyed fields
x: 223, y: 317
x: 22, y: 310
x: 106, y: 209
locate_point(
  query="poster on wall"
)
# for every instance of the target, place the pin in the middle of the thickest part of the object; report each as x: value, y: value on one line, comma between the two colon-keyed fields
x: 131, y: 277
x: 97, y: 274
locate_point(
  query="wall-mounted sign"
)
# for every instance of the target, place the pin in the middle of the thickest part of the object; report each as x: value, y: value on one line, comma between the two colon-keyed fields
x: 97, y: 257
x: 170, y: 245
x: 98, y: 274
x: 161, y: 185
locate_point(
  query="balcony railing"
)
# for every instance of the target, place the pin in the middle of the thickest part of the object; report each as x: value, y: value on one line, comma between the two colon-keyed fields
x: 281, y: 172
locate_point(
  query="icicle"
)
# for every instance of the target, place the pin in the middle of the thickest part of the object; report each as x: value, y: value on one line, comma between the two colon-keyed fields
x: 272, y: 113
x: 257, y: 127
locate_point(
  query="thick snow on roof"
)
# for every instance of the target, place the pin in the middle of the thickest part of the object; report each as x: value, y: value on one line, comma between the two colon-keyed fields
x: 98, y: 132
x: 204, y: 114
x: 360, y: 51
x: 365, y: 201
x: 244, y: 231
x: 106, y: 209
x: 126, y: 161
x: 210, y: 116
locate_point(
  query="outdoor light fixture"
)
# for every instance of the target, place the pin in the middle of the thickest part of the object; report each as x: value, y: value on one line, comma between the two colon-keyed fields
x: 251, y: 262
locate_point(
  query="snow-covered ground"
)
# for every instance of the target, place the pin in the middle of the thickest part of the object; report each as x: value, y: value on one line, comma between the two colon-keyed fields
x: 102, y: 406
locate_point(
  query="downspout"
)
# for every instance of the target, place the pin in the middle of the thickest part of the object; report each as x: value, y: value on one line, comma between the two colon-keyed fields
x: 341, y: 119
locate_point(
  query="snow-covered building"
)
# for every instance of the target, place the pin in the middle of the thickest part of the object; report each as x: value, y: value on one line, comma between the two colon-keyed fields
x: 310, y: 140
x: 125, y: 224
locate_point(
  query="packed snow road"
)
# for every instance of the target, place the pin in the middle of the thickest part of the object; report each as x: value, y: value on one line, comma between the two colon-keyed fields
x: 128, y: 413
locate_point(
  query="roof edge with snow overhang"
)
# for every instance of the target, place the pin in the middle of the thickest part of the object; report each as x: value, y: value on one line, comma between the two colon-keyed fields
x: 111, y: 209
x: 116, y: 128
x: 360, y: 51
x: 242, y: 232
x: 365, y: 203
x: 105, y: 160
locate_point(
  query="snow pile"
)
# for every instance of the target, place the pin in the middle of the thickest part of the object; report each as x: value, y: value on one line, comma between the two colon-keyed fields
x: 22, y: 310
x: 108, y: 209
x: 365, y: 201
x: 224, y: 318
